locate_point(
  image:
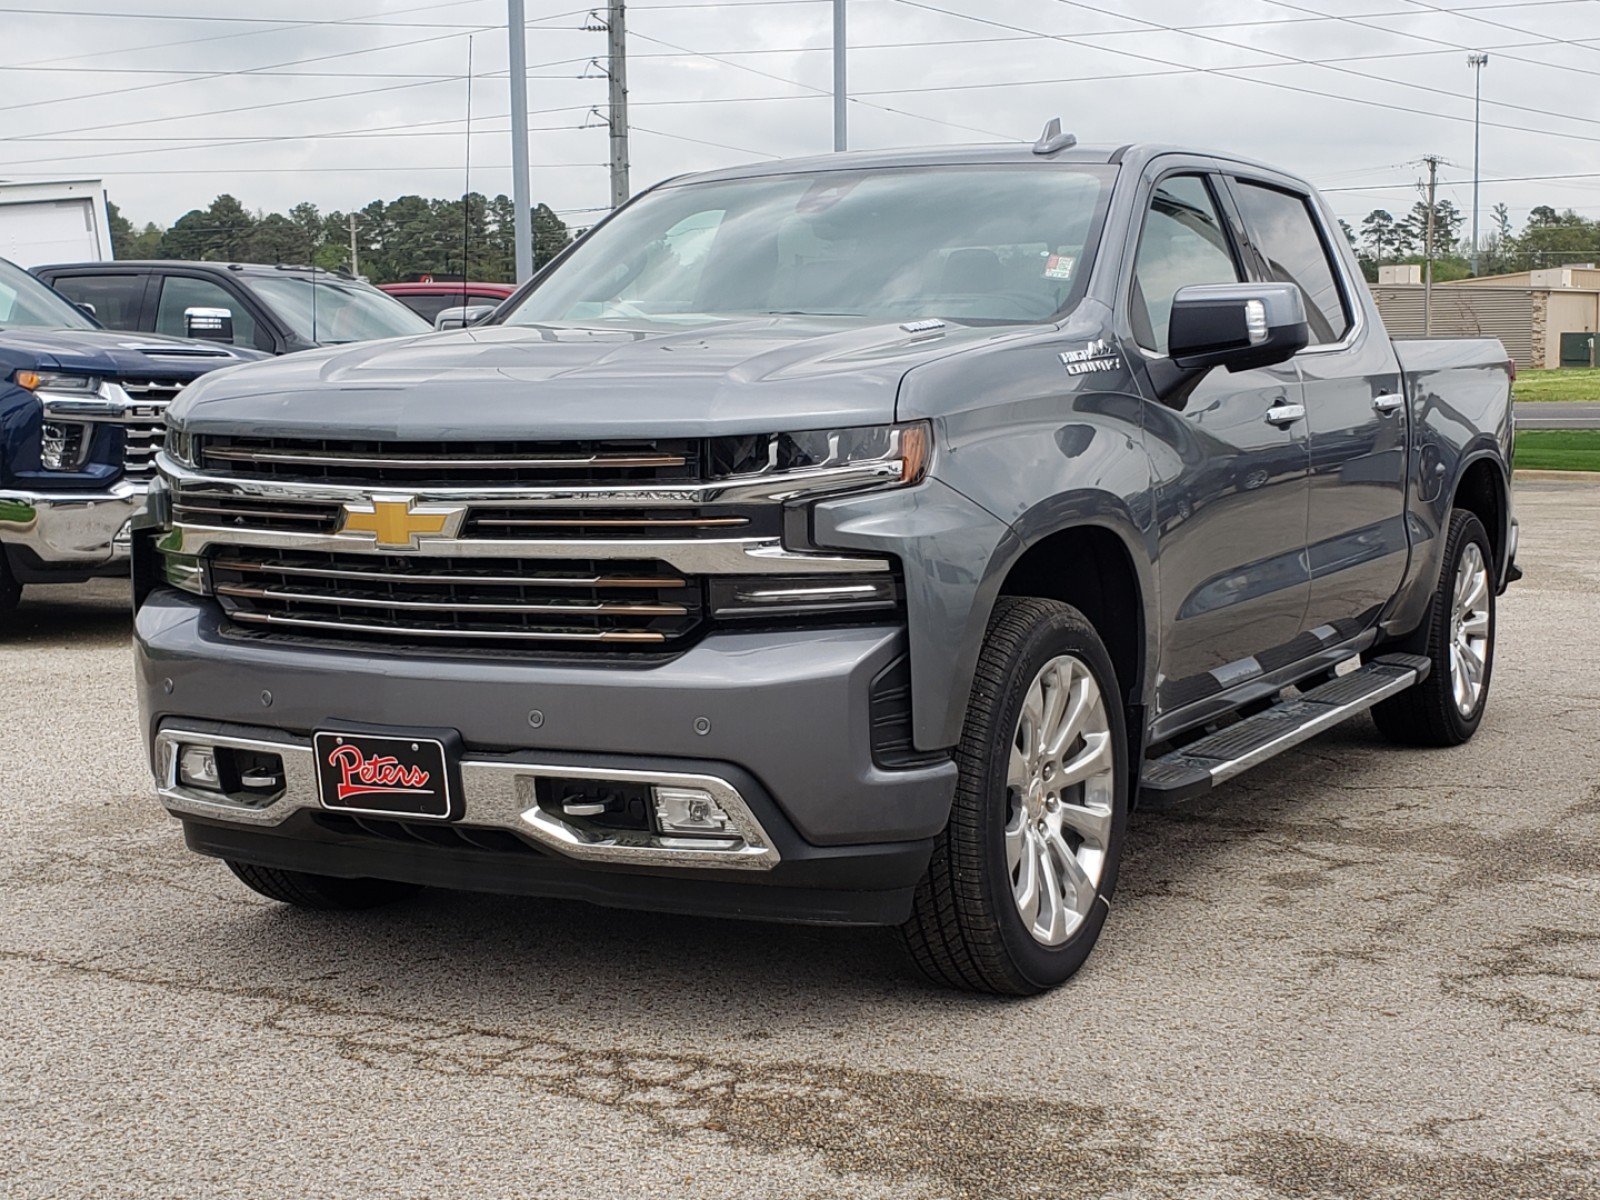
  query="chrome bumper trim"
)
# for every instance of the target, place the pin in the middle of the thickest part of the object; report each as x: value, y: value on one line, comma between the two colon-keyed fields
x: 692, y: 556
x: 72, y: 527
x: 499, y: 794
x: 750, y: 489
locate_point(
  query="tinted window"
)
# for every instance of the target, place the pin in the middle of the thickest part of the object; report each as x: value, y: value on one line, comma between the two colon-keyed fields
x: 179, y: 292
x: 336, y: 310
x: 428, y: 307
x: 1182, y: 244
x: 115, y: 298
x: 1284, y: 231
x: 982, y: 243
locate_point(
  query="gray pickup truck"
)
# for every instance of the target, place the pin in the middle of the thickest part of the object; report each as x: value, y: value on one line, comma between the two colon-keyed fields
x: 843, y: 540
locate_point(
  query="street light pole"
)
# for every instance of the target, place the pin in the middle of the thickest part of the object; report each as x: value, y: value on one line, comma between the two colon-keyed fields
x: 841, y: 138
x: 522, y: 216
x: 1477, y: 62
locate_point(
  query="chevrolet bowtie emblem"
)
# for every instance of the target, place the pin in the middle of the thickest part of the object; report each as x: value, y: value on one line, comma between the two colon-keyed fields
x: 398, y: 523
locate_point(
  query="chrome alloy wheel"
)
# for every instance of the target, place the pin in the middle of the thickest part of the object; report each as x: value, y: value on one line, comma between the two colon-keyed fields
x: 1060, y: 791
x: 1469, y: 630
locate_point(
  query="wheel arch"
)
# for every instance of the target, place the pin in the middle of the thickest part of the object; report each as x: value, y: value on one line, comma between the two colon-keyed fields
x: 1482, y: 489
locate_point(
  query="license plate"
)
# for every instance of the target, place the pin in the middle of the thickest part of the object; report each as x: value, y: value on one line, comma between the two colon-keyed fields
x: 383, y: 776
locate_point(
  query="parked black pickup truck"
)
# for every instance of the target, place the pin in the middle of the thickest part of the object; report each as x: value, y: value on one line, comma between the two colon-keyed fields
x: 853, y: 539
x: 80, y: 420
x: 275, y: 308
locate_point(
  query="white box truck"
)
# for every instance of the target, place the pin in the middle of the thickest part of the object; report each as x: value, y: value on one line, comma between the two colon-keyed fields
x: 65, y: 221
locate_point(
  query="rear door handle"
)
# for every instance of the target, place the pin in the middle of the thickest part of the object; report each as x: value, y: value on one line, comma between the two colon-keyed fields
x: 1388, y: 402
x: 1285, y: 414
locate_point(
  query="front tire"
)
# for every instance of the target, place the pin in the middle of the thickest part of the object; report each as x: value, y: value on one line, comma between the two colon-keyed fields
x: 1018, y: 886
x: 1446, y: 708
x: 10, y: 588
x: 323, y: 893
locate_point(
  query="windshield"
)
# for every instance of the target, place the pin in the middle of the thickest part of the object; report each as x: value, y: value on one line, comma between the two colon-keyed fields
x: 984, y: 243
x: 26, y: 302
x: 337, y: 310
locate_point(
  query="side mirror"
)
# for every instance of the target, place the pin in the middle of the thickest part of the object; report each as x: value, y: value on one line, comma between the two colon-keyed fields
x: 462, y: 316
x: 87, y: 309
x: 208, y: 324
x: 1237, y: 325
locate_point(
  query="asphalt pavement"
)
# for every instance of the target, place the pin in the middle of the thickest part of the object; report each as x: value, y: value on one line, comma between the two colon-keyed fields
x: 1558, y: 414
x: 1355, y: 972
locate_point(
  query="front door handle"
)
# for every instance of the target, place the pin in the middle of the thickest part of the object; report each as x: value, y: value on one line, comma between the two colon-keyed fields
x: 1285, y: 414
x: 1388, y: 402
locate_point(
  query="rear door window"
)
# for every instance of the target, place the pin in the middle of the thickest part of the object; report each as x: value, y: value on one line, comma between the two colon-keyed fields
x: 1285, y: 232
x: 180, y: 292
x: 116, y: 299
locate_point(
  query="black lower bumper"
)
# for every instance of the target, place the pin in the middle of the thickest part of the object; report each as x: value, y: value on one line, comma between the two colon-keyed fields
x: 831, y: 885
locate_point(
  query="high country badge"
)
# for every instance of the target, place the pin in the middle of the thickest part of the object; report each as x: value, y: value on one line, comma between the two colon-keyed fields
x: 1096, y: 356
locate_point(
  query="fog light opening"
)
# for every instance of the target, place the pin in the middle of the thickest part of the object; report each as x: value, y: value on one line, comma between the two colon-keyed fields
x: 690, y: 811
x: 197, y: 768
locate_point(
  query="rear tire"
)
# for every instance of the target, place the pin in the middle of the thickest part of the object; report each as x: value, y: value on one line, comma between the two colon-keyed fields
x: 319, y: 892
x: 1446, y: 708
x: 1042, y: 799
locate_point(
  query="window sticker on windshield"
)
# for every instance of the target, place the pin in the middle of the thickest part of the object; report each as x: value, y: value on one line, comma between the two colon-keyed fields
x: 1059, y: 266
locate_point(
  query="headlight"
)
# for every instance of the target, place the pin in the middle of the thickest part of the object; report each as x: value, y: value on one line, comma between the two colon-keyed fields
x: 58, y: 381
x: 179, y: 446
x: 63, y: 445
x: 830, y: 459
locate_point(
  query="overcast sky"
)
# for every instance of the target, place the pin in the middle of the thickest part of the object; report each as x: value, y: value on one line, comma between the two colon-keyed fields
x: 105, y: 89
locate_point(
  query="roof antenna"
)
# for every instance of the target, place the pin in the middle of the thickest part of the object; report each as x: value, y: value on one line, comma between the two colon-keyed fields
x: 1052, y: 139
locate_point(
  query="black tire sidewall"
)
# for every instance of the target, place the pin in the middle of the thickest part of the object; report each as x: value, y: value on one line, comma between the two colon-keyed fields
x: 1063, y: 632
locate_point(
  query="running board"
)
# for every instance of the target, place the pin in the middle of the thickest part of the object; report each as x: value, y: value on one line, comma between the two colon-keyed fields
x: 1200, y: 766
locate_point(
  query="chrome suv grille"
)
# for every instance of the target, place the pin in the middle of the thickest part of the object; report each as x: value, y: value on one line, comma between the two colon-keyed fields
x: 460, y: 602
x: 450, y: 464
x: 144, y: 423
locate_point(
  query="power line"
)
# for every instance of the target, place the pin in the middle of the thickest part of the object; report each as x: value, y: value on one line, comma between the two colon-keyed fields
x: 814, y: 90
x: 1227, y: 73
x: 145, y: 87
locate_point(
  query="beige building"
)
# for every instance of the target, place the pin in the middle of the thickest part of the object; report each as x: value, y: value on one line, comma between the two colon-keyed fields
x: 1546, y: 318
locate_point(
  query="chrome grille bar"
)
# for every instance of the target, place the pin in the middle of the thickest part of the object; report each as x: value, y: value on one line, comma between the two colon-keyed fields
x: 576, y: 608
x: 406, y: 631
x: 448, y: 462
x: 552, y: 581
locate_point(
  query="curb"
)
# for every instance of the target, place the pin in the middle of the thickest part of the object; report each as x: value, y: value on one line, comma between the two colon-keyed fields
x: 1543, y: 476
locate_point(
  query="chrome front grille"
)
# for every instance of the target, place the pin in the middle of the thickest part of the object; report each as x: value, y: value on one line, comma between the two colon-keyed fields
x: 618, y: 546
x: 450, y: 464
x: 461, y: 602
x: 143, y: 422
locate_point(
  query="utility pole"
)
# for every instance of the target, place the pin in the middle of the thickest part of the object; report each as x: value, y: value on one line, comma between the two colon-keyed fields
x: 355, y: 254
x: 841, y: 139
x: 522, y: 215
x: 617, y: 75
x: 1427, y: 277
x: 1477, y: 62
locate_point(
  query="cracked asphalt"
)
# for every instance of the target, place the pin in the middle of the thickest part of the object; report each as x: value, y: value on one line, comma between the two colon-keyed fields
x: 1355, y: 972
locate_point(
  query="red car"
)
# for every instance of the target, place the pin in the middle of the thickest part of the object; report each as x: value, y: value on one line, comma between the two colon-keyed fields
x: 429, y: 298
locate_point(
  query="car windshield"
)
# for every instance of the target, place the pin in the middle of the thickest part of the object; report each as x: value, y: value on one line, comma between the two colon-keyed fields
x: 26, y: 302
x: 336, y: 310
x: 966, y: 243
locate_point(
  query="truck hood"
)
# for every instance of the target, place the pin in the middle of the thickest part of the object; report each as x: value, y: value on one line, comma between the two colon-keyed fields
x: 501, y: 382
x: 121, y: 355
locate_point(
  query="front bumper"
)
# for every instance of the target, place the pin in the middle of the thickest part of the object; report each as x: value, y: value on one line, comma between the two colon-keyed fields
x: 70, y: 531
x: 782, y: 718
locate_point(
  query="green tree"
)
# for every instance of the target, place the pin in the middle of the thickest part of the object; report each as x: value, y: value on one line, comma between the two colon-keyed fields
x: 220, y: 232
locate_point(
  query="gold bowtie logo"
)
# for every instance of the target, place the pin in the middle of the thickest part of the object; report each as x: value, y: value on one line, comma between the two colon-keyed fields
x: 400, y: 523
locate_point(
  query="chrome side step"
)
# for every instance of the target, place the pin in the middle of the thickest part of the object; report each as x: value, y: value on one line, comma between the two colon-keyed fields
x: 1200, y: 766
